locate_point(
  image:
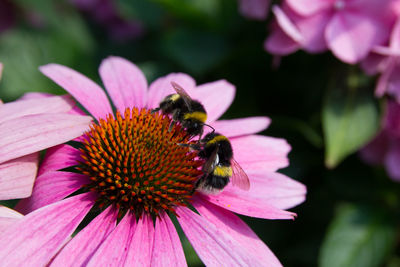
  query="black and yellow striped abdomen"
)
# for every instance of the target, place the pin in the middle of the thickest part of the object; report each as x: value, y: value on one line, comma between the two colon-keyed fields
x: 199, y: 116
x: 218, y: 149
x: 222, y: 171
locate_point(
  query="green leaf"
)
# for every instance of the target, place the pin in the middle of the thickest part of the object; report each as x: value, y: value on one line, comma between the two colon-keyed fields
x: 64, y: 40
x: 350, y: 118
x: 148, y: 12
x: 358, y: 237
x: 197, y: 51
x: 192, y: 9
x: 22, y: 53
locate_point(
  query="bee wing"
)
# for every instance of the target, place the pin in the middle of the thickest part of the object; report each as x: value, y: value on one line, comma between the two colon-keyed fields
x: 182, y: 93
x: 209, y: 166
x: 239, y: 177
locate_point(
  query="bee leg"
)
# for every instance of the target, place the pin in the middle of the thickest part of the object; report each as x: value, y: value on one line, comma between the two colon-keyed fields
x: 200, y: 136
x: 175, y: 118
x: 171, y: 125
x: 200, y: 183
x: 200, y: 180
x: 176, y: 115
x: 187, y: 135
x: 184, y: 145
x: 191, y: 146
x: 154, y: 110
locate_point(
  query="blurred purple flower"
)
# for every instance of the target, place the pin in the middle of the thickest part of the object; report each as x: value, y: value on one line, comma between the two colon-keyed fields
x: 349, y: 28
x: 11, y: 12
x: 254, y: 9
x: 385, y: 148
x: 7, y: 15
x: 106, y: 14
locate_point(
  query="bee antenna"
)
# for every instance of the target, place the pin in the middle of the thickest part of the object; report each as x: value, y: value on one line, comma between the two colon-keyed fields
x: 213, y: 130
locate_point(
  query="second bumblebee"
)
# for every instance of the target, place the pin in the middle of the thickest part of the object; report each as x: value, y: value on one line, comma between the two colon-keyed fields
x: 220, y: 166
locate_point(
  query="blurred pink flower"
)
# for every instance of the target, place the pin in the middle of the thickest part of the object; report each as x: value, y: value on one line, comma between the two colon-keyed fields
x: 254, y: 9
x: 384, y: 60
x: 349, y: 28
x: 43, y: 237
x: 106, y: 14
x: 385, y: 148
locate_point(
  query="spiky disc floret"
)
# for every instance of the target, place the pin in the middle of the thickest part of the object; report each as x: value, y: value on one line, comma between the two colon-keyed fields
x: 136, y: 163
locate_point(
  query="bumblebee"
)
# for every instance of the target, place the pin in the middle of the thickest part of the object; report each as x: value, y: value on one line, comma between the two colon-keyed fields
x: 190, y: 113
x: 219, y: 167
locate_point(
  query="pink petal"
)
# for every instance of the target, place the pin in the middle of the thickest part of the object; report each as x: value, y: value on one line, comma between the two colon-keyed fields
x: 269, y: 192
x: 279, y: 43
x: 141, y: 244
x: 17, y: 176
x: 162, y: 87
x: 167, y: 248
x: 216, y: 97
x: 287, y: 25
x: 307, y: 32
x: 346, y: 29
x: 308, y: 7
x: 59, y: 157
x: 8, y: 217
x: 238, y: 127
x: 37, y: 237
x: 54, y: 104
x: 214, y: 246
x: 385, y: 11
x: 254, y: 9
x: 393, y: 87
x: 375, y: 151
x: 77, y: 111
x: 50, y: 187
x: 35, y: 95
x: 32, y: 133
x: 395, y: 37
x: 312, y: 29
x: 125, y: 83
x: 80, y: 249
x: 232, y: 225
x: 247, y: 205
x: 384, y: 80
x: 391, y: 122
x: 84, y: 90
x: 373, y: 63
x: 6, y: 212
x: 392, y: 161
x: 385, y: 50
x: 113, y: 250
x: 260, y: 152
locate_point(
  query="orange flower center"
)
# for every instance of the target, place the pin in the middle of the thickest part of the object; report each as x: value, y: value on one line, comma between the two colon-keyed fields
x: 135, y: 162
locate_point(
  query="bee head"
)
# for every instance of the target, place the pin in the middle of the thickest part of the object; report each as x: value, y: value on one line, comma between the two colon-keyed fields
x: 210, y: 136
x: 193, y: 127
